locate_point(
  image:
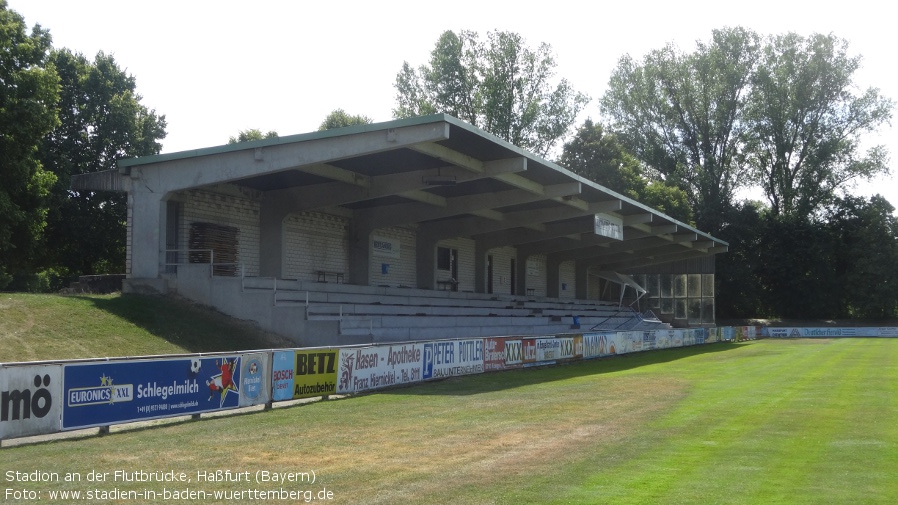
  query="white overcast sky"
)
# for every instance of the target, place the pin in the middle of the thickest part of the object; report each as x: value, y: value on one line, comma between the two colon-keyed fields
x: 215, y: 68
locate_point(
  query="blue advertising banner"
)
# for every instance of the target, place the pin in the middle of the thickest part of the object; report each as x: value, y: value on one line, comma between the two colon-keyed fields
x: 109, y: 392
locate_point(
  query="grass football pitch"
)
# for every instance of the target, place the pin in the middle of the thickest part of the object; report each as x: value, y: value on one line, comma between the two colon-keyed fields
x: 772, y: 421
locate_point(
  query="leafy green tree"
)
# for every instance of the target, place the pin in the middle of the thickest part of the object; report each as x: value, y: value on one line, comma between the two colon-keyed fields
x: 806, y: 122
x: 252, y: 134
x: 338, y: 118
x: 600, y: 157
x: 681, y: 114
x: 28, y: 96
x: 739, y: 289
x: 101, y: 121
x: 866, y: 231
x: 500, y: 85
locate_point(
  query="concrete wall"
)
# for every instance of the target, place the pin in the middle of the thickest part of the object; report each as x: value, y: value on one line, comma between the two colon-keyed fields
x: 536, y: 274
x: 568, y: 279
x: 400, y: 271
x: 223, y: 208
x: 502, y: 273
x: 314, y: 241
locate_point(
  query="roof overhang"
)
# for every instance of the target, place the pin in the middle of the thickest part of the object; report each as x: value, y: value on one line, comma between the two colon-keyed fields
x: 444, y: 176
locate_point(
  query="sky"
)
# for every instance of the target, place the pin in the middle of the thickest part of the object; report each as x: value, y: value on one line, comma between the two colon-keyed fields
x: 215, y: 68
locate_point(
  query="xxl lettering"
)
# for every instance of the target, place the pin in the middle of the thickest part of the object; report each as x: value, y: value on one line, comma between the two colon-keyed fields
x: 16, y: 404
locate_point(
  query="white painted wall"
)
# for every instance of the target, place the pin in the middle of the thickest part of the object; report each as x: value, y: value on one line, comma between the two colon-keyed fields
x: 224, y: 209
x: 314, y: 241
x: 401, y: 271
x: 567, y: 277
x: 502, y: 257
x: 537, y: 280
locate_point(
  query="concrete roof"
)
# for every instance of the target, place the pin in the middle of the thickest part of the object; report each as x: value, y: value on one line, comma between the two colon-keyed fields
x: 442, y: 174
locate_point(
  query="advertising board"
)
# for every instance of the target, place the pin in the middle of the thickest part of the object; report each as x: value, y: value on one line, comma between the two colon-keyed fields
x: 365, y: 368
x: 452, y: 357
x: 109, y: 392
x: 30, y: 400
x: 255, y: 386
x: 304, y: 373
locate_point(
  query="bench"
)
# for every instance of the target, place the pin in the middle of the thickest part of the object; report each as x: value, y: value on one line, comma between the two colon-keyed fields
x: 447, y: 285
x: 324, y: 274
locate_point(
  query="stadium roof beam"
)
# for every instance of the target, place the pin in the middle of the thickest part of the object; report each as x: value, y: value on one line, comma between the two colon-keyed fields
x: 469, y: 226
x: 319, y: 196
x: 400, y: 214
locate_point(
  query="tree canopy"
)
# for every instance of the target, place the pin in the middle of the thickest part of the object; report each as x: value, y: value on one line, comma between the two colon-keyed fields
x: 252, y: 134
x: 600, y: 157
x: 805, y: 122
x: 101, y: 121
x: 682, y: 114
x: 338, y: 118
x: 779, y: 111
x: 61, y: 115
x: 29, y: 90
x: 500, y: 85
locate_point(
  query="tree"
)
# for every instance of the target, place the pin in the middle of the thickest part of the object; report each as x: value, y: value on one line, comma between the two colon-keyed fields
x: 500, y: 85
x: 101, y: 121
x: 866, y: 232
x: 806, y: 122
x: 600, y: 157
x: 252, y: 134
x: 681, y: 114
x: 338, y: 118
x: 28, y: 96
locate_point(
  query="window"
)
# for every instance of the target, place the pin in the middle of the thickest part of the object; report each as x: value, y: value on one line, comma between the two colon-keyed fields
x: 444, y: 258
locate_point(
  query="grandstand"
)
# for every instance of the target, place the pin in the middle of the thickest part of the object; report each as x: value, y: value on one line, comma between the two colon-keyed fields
x: 412, y: 229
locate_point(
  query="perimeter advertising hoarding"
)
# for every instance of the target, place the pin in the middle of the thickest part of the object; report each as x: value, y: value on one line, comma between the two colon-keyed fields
x: 550, y: 349
x: 254, y: 379
x: 366, y: 368
x: 502, y: 353
x: 597, y: 344
x: 304, y: 373
x: 452, y: 357
x: 110, y: 392
x: 30, y: 400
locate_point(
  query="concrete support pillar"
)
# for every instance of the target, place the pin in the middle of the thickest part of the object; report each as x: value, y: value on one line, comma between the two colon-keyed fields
x: 480, y: 280
x: 147, y: 232
x: 581, y: 274
x: 521, y: 273
x: 426, y: 260
x: 553, y: 276
x: 359, y: 243
x: 272, y: 247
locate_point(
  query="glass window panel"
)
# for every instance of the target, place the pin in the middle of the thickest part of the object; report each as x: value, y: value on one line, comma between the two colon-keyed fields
x: 680, y: 306
x: 695, y: 311
x: 666, y: 281
x: 679, y: 285
x: 651, y: 284
x: 694, y: 285
x: 708, y: 310
x: 667, y: 306
x: 708, y: 285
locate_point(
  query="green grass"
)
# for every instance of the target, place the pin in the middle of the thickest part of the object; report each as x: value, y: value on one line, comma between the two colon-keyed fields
x: 45, y: 327
x: 772, y: 421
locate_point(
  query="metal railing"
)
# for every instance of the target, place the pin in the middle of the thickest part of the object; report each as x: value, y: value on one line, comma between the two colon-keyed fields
x: 199, y: 256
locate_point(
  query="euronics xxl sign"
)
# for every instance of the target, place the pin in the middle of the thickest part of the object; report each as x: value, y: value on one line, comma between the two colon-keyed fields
x: 109, y: 392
